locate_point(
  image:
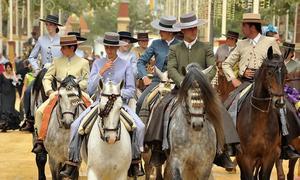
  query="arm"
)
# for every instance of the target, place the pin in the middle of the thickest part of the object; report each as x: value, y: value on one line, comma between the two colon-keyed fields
x: 48, y: 78
x: 210, y: 60
x: 129, y: 89
x: 85, y: 72
x: 94, y: 78
x: 172, y: 67
x: 34, y: 55
x: 144, y: 60
x: 228, y: 64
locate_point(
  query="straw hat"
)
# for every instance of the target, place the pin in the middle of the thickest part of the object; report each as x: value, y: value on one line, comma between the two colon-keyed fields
x: 78, y: 36
x: 111, y: 39
x: 251, y: 18
x: 68, y: 40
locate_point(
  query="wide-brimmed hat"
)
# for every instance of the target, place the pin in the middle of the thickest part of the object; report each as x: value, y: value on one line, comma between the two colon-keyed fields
x: 189, y: 21
x: 127, y: 35
x: 51, y: 19
x: 111, y: 39
x: 288, y: 45
x: 142, y: 36
x: 165, y: 23
x: 251, y: 18
x: 78, y: 36
x: 232, y: 34
x: 68, y: 40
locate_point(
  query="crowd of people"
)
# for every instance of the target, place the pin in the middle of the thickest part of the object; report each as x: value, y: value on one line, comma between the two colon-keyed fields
x: 236, y: 64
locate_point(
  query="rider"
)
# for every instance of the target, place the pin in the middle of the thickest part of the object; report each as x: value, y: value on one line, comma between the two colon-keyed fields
x: 249, y: 55
x: 160, y: 49
x: 79, y: 38
x: 43, y: 46
x: 115, y: 69
x: 68, y: 64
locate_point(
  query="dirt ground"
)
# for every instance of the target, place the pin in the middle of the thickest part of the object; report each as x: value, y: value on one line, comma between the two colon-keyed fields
x: 18, y: 163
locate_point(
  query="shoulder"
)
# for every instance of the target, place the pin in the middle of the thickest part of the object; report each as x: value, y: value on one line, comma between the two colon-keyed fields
x: 176, y: 46
x: 242, y: 42
x: 123, y: 62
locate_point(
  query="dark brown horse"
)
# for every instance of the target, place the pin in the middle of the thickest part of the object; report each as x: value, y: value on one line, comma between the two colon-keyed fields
x: 258, y: 120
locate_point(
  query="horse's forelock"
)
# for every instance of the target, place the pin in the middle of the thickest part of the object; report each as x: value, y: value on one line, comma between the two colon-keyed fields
x: 195, y: 77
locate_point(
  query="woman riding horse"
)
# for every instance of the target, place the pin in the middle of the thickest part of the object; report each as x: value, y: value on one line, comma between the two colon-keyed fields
x: 112, y: 68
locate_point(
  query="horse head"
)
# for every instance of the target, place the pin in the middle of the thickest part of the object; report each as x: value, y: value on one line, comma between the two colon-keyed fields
x: 272, y: 74
x: 198, y: 96
x: 69, y: 98
x: 109, y: 111
x: 166, y: 85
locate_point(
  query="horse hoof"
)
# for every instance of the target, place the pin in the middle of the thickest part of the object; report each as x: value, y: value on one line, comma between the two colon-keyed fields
x: 231, y: 170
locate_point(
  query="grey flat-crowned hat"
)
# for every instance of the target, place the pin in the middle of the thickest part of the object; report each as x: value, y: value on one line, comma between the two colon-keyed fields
x: 165, y: 23
x: 51, y: 19
x: 189, y: 21
x: 111, y: 39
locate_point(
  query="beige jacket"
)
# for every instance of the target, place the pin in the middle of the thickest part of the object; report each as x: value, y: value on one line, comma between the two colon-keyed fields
x: 248, y: 55
x: 62, y: 67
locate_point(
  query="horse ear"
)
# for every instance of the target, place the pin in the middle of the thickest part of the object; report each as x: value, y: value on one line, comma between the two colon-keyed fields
x: 100, y: 84
x: 121, y: 84
x: 207, y: 70
x: 56, y: 79
x: 183, y: 70
x: 158, y: 72
x: 270, y: 53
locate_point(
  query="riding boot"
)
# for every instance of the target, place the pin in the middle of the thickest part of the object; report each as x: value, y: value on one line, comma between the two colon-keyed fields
x: 224, y: 161
x: 28, y: 126
x: 38, y: 146
x: 136, y: 168
x: 289, y: 152
x: 158, y: 157
x: 69, y: 169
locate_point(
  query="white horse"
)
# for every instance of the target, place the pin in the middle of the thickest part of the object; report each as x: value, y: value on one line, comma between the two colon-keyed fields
x: 109, y: 144
x: 68, y: 108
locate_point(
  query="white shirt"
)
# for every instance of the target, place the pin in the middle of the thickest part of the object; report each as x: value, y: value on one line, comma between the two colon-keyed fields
x: 189, y: 45
x: 169, y: 42
x: 255, y: 40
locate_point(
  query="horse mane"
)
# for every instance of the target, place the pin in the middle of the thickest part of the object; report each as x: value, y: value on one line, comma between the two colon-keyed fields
x: 70, y: 81
x: 210, y: 98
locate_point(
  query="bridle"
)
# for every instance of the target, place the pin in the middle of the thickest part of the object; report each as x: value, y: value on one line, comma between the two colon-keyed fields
x: 278, y: 72
x: 104, y: 114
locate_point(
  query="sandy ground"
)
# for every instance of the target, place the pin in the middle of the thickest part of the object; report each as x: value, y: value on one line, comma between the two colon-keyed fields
x: 18, y: 163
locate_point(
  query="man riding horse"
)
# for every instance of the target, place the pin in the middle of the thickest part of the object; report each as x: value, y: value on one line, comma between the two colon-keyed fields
x: 249, y: 55
x: 68, y: 64
x: 180, y: 55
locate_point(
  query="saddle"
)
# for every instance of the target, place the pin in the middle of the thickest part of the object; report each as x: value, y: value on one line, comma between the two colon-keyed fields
x: 90, y: 118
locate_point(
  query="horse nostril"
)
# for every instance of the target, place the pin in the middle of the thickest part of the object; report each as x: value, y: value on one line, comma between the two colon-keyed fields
x: 279, y: 103
x: 197, y: 126
x: 107, y: 138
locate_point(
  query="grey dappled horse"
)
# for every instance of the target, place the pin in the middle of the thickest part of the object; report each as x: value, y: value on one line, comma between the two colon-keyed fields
x: 109, y: 145
x: 194, y: 129
x: 69, y: 106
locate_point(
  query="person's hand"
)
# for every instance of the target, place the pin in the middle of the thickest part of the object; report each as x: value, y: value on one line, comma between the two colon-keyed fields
x: 106, y: 66
x: 249, y: 73
x: 52, y: 93
x: 236, y: 83
x: 147, y: 81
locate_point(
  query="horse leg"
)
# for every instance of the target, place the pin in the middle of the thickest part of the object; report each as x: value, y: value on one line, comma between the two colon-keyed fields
x: 279, y: 168
x: 148, y: 168
x: 266, y: 169
x: 159, y: 173
x: 246, y: 166
x: 174, y: 171
x: 292, y: 163
x: 54, y: 168
x: 41, y: 159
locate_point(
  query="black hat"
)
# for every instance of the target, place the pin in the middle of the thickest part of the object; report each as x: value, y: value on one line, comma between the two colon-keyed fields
x: 142, y: 37
x: 127, y: 35
x: 288, y: 45
x: 232, y: 34
x: 51, y: 19
x: 78, y: 37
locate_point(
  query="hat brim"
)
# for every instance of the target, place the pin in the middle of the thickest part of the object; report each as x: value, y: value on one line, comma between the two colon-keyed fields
x: 78, y: 42
x: 143, y: 39
x: 101, y: 41
x: 199, y: 22
x: 155, y: 25
x: 252, y: 21
x: 131, y: 39
x: 44, y: 20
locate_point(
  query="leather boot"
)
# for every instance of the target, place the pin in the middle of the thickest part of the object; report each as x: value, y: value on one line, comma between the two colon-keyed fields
x: 28, y: 126
x: 69, y: 169
x: 288, y: 152
x: 224, y: 161
x: 136, y: 169
x: 38, y: 146
x: 158, y: 157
